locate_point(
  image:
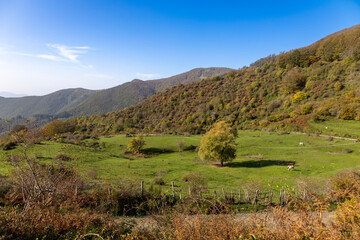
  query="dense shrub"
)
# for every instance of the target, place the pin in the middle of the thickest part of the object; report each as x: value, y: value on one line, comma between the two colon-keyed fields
x: 298, y: 97
x: 136, y: 144
x: 346, y: 184
x: 58, y: 127
x: 62, y: 157
x: 347, y: 113
x: 52, y: 222
x: 338, y: 86
x: 306, y: 109
x: 8, y: 145
x: 293, y: 81
x: 158, y: 181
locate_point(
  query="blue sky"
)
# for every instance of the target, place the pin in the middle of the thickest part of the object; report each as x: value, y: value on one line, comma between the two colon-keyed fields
x: 47, y: 45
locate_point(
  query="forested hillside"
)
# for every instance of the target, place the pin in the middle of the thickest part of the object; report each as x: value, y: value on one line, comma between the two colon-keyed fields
x: 133, y: 92
x: 285, y: 91
x: 79, y: 102
x: 51, y: 104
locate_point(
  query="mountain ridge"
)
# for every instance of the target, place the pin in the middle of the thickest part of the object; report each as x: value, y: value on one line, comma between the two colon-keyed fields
x: 137, y: 90
x: 80, y: 101
x: 11, y: 95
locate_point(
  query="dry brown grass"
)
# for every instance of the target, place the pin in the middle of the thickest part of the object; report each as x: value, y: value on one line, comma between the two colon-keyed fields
x: 298, y: 220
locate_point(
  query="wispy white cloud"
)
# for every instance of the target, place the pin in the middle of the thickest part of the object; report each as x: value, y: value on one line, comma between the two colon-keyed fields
x: 49, y: 57
x: 62, y: 53
x: 68, y: 53
x: 147, y: 75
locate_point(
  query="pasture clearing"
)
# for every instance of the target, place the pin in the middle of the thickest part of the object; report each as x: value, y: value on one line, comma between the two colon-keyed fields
x: 261, y: 162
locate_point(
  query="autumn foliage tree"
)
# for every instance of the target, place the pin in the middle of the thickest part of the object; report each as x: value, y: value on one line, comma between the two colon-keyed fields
x: 57, y: 127
x: 135, y: 144
x: 293, y: 81
x: 218, y: 144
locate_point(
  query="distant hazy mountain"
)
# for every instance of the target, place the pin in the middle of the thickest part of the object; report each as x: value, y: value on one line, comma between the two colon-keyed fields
x: 11, y: 95
x: 77, y: 102
x: 51, y: 104
x: 133, y: 92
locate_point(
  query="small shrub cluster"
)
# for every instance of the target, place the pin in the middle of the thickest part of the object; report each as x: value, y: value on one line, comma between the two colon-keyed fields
x: 63, y: 157
x: 158, y: 181
x: 196, y: 180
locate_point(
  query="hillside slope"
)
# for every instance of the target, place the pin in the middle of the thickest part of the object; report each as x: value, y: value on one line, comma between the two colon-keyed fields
x: 51, y: 104
x: 133, y: 92
x: 286, y: 91
x: 77, y: 102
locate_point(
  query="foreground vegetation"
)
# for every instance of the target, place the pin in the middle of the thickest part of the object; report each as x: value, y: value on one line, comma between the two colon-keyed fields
x: 71, y: 185
x: 51, y: 207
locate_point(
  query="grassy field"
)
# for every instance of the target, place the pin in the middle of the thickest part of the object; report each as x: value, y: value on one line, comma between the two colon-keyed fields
x: 348, y: 128
x: 261, y: 161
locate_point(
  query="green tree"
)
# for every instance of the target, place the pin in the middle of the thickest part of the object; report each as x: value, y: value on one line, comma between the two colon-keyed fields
x: 135, y: 144
x: 218, y: 144
x: 295, y: 58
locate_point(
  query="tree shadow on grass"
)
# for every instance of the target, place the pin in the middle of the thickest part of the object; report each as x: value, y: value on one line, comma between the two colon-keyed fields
x: 259, y: 163
x: 152, y: 150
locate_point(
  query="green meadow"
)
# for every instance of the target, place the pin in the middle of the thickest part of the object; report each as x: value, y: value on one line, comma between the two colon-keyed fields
x: 261, y: 162
x: 348, y: 128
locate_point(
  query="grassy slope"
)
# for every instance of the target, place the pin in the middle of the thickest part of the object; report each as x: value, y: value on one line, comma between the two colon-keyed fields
x: 348, y: 128
x: 259, y: 160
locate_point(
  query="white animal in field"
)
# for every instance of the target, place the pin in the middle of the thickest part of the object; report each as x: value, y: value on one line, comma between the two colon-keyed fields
x: 291, y: 166
x: 326, y: 127
x: 301, y: 143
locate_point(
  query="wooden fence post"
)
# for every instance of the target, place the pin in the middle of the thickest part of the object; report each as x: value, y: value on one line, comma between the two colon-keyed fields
x: 76, y: 191
x: 173, y: 190
x: 255, y: 200
x: 215, y: 194
x: 223, y: 191
x: 142, y: 188
x: 180, y: 195
x: 304, y: 195
x: 239, y: 195
x: 271, y: 196
x: 189, y: 191
x: 232, y: 196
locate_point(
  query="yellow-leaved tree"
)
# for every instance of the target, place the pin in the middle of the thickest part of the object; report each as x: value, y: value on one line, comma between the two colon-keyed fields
x: 135, y: 144
x: 218, y: 144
